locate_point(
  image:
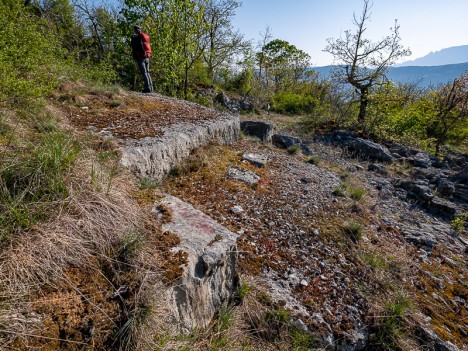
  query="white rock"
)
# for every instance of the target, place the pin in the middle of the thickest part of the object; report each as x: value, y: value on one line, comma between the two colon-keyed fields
x: 237, y: 209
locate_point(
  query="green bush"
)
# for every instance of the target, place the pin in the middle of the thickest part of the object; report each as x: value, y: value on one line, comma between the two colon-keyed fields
x: 293, y: 103
x: 29, y: 54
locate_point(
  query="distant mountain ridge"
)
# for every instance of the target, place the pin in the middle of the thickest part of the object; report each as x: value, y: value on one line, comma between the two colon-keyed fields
x: 424, y: 75
x: 447, y: 56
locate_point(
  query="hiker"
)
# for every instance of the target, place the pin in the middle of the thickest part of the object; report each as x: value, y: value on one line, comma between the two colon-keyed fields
x: 141, y: 51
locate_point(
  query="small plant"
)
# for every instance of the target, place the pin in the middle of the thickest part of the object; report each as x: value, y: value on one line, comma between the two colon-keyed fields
x: 175, y: 172
x: 458, y: 223
x: 148, y: 183
x: 344, y: 176
x: 356, y: 193
x: 243, y: 291
x: 338, y: 191
x: 373, y: 260
x: 353, y: 230
x: 389, y: 329
x: 116, y: 103
x: 225, y: 320
x: 293, y: 149
x: 301, y: 340
x: 314, y: 160
x: 130, y: 246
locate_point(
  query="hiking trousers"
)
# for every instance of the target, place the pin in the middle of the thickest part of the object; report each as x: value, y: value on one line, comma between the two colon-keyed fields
x: 143, y: 65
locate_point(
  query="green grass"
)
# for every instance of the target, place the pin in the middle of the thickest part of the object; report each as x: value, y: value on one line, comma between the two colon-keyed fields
x: 353, y: 230
x: 302, y: 340
x: 356, y: 193
x: 373, y: 260
x: 147, y: 183
x: 243, y: 291
x: 293, y: 149
x: 34, y: 177
x: 314, y: 160
x: 391, y: 324
x: 338, y: 191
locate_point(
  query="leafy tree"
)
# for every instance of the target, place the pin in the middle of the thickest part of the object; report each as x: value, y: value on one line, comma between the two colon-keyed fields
x: 223, y: 41
x: 283, y: 64
x: 451, y: 110
x: 30, y: 58
x: 363, y: 62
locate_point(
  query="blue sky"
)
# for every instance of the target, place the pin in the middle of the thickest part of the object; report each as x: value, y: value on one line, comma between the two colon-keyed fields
x: 425, y: 25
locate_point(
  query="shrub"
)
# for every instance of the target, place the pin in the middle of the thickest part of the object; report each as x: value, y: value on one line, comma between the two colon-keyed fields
x: 29, y: 61
x: 293, y: 103
x: 458, y: 223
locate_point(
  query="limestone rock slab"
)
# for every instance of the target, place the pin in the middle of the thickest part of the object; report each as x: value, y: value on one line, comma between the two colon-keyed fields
x: 210, y: 278
x: 155, y: 157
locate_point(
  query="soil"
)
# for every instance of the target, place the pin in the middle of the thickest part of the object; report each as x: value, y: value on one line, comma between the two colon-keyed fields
x: 133, y: 116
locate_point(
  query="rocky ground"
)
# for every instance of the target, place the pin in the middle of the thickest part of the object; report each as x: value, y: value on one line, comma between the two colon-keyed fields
x: 345, y: 241
x: 362, y: 242
x: 132, y: 116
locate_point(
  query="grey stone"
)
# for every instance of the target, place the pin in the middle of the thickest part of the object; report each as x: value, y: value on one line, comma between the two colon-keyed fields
x: 402, y: 150
x: 374, y: 167
x: 337, y: 137
x: 462, y: 176
x: 285, y: 141
x: 355, y: 340
x: 155, y: 157
x: 261, y: 130
x: 300, y: 325
x: 370, y: 150
x: 256, y: 159
x: 442, y: 207
x: 305, y: 150
x: 416, y: 189
x: 446, y: 187
x: 434, y: 342
x: 237, y: 209
x: 210, y: 279
x: 222, y: 99
x: 421, y: 159
x: 419, y: 237
x: 242, y: 175
x: 306, y: 180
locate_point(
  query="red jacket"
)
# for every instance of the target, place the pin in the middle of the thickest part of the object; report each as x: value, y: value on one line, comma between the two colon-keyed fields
x: 140, y: 44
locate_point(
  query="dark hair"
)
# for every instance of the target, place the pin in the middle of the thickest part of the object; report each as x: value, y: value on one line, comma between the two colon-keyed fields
x: 137, y: 27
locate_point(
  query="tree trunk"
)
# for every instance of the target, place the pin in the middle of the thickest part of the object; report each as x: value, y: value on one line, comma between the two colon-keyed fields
x: 364, y: 92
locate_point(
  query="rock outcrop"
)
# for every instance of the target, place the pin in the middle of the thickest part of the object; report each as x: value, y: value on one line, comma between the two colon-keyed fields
x: 155, y: 157
x: 261, y: 130
x: 210, y: 279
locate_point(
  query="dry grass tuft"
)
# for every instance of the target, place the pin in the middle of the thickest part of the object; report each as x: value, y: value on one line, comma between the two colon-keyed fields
x: 86, y: 233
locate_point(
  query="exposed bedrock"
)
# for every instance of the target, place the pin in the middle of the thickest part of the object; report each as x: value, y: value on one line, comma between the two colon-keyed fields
x: 155, y: 157
x: 210, y: 280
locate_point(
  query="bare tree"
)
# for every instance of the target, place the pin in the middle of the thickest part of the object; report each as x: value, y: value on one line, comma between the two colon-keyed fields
x: 364, y: 63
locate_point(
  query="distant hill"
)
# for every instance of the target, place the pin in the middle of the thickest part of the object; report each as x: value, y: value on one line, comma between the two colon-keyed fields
x: 448, y: 56
x: 424, y: 75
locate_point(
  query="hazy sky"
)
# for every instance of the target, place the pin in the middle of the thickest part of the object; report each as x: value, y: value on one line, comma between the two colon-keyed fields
x: 425, y: 25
